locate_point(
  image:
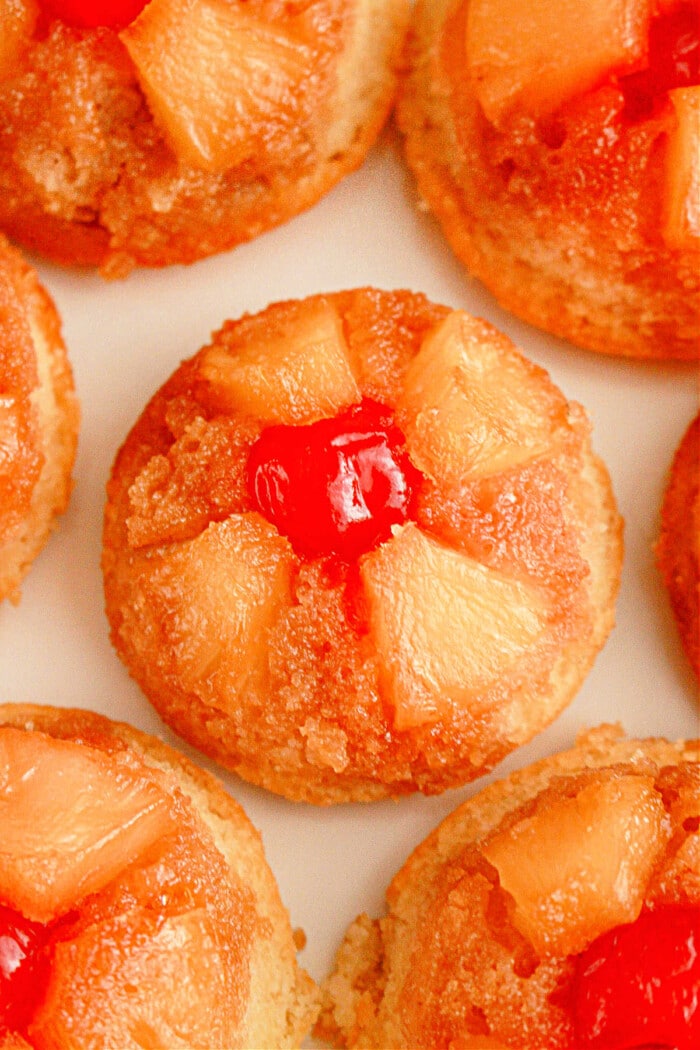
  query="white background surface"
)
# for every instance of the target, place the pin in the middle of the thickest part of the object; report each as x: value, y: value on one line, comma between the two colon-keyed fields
x: 126, y: 338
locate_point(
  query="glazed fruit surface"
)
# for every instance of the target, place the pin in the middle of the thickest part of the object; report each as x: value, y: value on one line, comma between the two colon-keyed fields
x: 569, y: 186
x: 337, y: 486
x: 571, y: 931
x: 353, y: 670
x: 673, y: 60
x: 22, y: 979
x: 559, y: 151
x: 105, y: 868
x: 147, y: 134
x: 88, y: 14
x: 639, y: 985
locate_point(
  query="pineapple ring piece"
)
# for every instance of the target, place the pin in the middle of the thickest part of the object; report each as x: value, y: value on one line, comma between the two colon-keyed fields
x: 160, y: 922
x: 487, y: 918
x: 557, y: 145
x: 197, y: 126
x: 414, y: 657
x: 39, y: 419
x: 678, y: 547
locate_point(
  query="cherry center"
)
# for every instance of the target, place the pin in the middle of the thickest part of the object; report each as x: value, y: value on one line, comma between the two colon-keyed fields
x: 336, y: 486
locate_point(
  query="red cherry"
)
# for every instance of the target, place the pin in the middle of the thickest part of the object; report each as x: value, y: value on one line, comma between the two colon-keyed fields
x: 22, y: 968
x: 87, y: 14
x: 335, y: 487
x: 674, y: 59
x: 639, y: 985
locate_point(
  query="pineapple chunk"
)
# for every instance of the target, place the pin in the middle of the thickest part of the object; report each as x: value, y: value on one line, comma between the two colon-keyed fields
x: 222, y: 592
x: 17, y: 19
x: 681, y: 228
x: 72, y: 819
x: 534, y: 55
x: 140, y: 979
x: 444, y: 626
x: 223, y: 84
x: 294, y: 372
x: 580, y: 865
x: 471, y: 406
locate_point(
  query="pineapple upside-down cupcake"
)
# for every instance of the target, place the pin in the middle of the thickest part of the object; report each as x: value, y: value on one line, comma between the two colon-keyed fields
x: 38, y: 419
x: 558, y: 145
x: 359, y: 546
x: 678, y: 547
x: 149, y: 133
x: 557, y: 908
x: 136, y: 905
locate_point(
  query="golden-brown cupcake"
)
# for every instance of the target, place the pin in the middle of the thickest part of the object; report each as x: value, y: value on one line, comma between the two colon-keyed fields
x: 678, y: 547
x: 557, y: 145
x: 136, y: 894
x: 182, y: 127
x: 38, y: 419
x: 359, y: 546
x: 557, y: 908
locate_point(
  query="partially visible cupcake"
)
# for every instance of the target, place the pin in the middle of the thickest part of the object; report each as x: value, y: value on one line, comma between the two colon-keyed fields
x: 359, y: 546
x: 557, y: 144
x: 149, y: 133
x: 557, y: 908
x: 38, y: 419
x: 678, y: 547
x: 136, y: 905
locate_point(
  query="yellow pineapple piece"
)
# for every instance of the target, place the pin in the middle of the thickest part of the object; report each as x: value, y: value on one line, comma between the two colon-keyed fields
x: 17, y: 21
x: 681, y: 227
x: 72, y: 819
x: 223, y: 84
x: 445, y: 627
x: 533, y: 55
x: 579, y: 866
x: 139, y: 979
x: 222, y: 591
x: 294, y: 371
x: 471, y: 406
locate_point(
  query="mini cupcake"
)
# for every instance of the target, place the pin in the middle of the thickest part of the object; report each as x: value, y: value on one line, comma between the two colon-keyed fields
x: 557, y: 145
x: 359, y: 546
x: 38, y: 419
x: 557, y: 908
x: 148, y: 133
x: 136, y: 905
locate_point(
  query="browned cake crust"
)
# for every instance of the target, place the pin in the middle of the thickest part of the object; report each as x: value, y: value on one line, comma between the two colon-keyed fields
x: 424, y: 662
x: 564, y: 236
x: 87, y: 177
x: 678, y: 547
x: 278, y: 998
x: 38, y: 420
x: 450, y: 966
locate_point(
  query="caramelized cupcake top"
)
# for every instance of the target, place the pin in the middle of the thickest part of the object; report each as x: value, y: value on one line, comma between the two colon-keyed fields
x: 136, y: 904
x: 557, y: 145
x: 559, y: 907
x: 629, y: 85
x: 136, y: 133
x: 120, y: 921
x: 358, y: 546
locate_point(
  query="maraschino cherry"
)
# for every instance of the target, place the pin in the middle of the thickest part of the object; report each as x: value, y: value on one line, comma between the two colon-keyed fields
x: 336, y: 486
x: 674, y: 59
x: 88, y: 14
x: 638, y: 985
x: 22, y: 968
